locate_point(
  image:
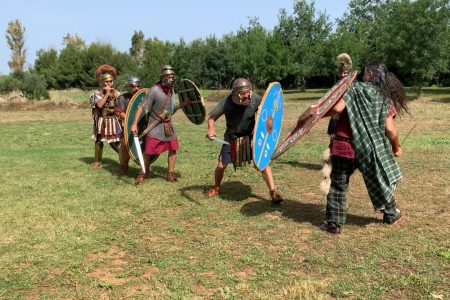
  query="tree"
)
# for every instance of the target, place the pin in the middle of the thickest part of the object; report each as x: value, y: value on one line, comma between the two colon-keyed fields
x: 74, y: 40
x: 137, y: 46
x: 46, y: 65
x: 419, y: 30
x: 305, y: 36
x: 15, y: 36
x: 156, y: 54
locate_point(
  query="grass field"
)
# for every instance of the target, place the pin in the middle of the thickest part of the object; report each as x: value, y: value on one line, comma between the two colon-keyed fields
x: 69, y: 232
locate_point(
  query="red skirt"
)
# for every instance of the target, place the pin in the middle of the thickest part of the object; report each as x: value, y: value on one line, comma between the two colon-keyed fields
x: 154, y: 146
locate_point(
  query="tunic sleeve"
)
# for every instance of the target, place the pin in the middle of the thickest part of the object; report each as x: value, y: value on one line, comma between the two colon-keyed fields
x: 218, y: 111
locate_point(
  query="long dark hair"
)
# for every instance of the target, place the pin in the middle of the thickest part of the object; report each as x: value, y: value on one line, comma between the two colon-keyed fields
x: 388, y: 85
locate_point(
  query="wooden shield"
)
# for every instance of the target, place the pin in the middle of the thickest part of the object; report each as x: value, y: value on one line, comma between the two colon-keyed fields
x: 325, y: 104
x: 142, y: 124
x: 268, y: 123
x: 195, y: 112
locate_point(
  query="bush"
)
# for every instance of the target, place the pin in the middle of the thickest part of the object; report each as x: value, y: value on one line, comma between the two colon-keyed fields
x: 9, y: 84
x: 34, y: 87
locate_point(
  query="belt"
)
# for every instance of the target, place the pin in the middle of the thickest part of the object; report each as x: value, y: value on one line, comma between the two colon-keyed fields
x: 340, y: 138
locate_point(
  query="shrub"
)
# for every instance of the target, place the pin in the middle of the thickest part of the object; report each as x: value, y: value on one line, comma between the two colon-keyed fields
x: 8, y: 84
x: 34, y: 87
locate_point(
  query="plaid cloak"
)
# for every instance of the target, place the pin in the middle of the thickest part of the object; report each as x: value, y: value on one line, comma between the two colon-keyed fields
x: 367, y: 111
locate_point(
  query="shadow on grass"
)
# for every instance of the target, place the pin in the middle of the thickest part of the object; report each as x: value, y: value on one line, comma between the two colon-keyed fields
x: 300, y: 212
x: 309, y: 166
x: 112, y: 166
x: 442, y: 100
x: 230, y: 191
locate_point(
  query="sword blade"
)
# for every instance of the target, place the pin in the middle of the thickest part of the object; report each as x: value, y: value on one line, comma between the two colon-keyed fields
x: 217, y: 140
x: 137, y: 144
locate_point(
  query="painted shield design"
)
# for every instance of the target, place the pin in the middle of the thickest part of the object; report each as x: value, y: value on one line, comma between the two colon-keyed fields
x: 268, y: 123
x: 196, y: 112
x: 142, y: 124
x: 324, y: 105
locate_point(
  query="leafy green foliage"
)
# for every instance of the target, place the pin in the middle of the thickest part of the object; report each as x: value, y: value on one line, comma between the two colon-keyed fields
x: 9, y: 84
x: 34, y: 87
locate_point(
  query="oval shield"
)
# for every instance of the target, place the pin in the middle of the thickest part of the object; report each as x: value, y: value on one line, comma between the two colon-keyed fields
x: 268, y: 123
x: 325, y: 104
x: 142, y: 124
x: 196, y: 112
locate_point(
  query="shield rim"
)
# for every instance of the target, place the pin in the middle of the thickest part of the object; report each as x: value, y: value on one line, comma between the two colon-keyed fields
x: 127, y: 132
x: 255, y: 138
x: 200, y: 102
x: 336, y: 92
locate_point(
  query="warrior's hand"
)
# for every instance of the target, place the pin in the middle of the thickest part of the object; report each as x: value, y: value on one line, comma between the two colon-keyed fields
x: 133, y: 128
x: 211, y: 133
x: 399, y: 152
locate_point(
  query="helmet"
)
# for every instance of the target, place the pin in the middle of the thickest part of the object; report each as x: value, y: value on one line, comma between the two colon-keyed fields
x: 133, y: 80
x: 166, y: 70
x: 345, y: 61
x: 241, y: 84
x: 102, y: 69
x: 106, y: 77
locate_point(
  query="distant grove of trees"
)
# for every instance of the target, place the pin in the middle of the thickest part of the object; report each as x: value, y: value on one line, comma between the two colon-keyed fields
x: 411, y: 37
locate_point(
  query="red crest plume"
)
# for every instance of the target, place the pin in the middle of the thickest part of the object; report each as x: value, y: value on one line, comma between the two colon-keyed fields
x: 105, y: 69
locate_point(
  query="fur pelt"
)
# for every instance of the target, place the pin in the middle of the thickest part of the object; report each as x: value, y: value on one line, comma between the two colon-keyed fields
x: 105, y: 69
x: 325, y: 183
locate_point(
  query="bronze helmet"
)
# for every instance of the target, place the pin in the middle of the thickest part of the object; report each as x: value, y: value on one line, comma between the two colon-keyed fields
x: 241, y: 84
x: 166, y: 70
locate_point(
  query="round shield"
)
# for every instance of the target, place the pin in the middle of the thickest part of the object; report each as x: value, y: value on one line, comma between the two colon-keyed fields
x: 268, y: 122
x: 142, y: 124
x: 195, y: 112
x: 324, y: 105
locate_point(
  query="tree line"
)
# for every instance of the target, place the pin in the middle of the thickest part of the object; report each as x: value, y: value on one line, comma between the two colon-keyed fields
x: 411, y: 37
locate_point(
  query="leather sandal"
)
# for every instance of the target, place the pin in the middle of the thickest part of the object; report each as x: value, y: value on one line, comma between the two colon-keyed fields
x: 276, y: 198
x: 141, y: 177
x: 214, y: 191
x: 96, y: 165
x: 171, y: 177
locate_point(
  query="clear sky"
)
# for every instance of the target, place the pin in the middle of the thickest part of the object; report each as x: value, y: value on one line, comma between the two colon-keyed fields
x: 46, y: 22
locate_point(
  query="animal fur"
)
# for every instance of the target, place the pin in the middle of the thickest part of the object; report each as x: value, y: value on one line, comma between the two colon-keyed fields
x: 326, y: 172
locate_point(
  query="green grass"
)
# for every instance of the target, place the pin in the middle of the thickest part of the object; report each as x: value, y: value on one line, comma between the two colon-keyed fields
x: 68, y: 232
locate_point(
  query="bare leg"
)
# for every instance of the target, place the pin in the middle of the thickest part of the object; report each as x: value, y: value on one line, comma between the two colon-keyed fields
x: 171, y: 158
x: 124, y: 158
x: 268, y: 178
x: 218, y: 176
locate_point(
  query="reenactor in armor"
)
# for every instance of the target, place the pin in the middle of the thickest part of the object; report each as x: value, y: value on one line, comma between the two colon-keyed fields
x: 106, y: 125
x: 133, y: 85
x: 160, y: 104
x: 239, y: 109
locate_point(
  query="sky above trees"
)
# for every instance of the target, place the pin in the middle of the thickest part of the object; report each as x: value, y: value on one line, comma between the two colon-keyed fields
x: 46, y: 22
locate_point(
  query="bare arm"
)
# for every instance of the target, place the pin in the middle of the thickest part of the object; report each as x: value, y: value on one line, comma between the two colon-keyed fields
x: 211, y: 130
x: 335, y: 110
x: 392, y: 135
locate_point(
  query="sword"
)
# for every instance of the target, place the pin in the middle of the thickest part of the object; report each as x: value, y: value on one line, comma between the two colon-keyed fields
x: 137, y: 144
x: 216, y: 139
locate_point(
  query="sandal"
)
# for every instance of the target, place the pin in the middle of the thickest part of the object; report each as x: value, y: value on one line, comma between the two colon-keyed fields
x: 96, y: 165
x: 171, y: 177
x: 214, y: 191
x: 276, y: 198
x: 140, y: 178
